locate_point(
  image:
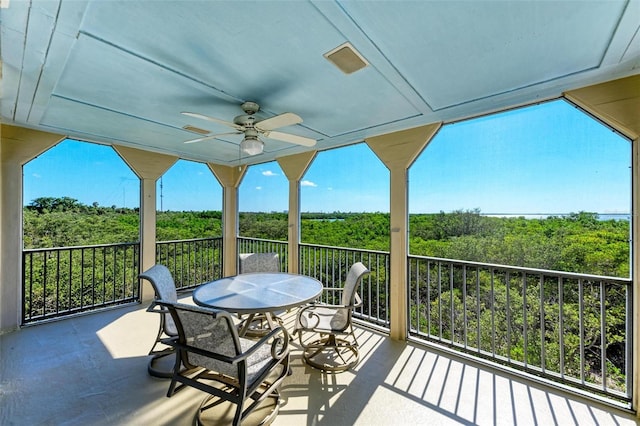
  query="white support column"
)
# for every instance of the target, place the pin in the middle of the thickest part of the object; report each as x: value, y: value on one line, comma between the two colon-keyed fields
x: 294, y: 167
x: 617, y: 103
x: 148, y: 166
x: 398, y: 151
x: 147, y: 233
x: 230, y: 178
x: 17, y: 146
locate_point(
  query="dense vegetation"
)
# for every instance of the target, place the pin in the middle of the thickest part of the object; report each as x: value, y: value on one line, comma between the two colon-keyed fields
x: 579, y: 242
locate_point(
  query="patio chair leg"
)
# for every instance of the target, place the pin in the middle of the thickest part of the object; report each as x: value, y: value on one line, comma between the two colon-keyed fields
x: 157, y: 372
x: 322, y: 345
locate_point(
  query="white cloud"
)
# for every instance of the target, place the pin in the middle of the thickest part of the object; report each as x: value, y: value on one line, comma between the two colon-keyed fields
x: 258, y: 188
x: 37, y: 176
x: 329, y: 189
x: 269, y: 173
x: 307, y: 183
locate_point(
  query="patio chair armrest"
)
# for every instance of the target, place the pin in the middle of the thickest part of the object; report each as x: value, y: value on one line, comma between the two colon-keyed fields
x: 279, y: 348
x: 157, y: 308
x: 357, y: 303
x: 188, y: 348
x: 279, y: 344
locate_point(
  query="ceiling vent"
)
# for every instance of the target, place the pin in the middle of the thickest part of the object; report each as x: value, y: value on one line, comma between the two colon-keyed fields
x: 196, y: 130
x: 347, y: 58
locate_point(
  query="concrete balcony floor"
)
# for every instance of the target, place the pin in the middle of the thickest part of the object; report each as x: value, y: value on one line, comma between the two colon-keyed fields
x: 92, y: 370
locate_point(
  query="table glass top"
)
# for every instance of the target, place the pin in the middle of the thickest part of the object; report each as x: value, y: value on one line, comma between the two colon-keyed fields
x: 258, y: 292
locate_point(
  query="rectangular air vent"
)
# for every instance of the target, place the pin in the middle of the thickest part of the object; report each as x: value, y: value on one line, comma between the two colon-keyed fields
x: 346, y: 58
x: 196, y: 130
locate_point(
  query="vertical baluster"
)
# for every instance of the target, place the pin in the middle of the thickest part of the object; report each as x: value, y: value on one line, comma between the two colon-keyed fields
x: 191, y: 279
x: 507, y: 283
x: 464, y: 305
x: 378, y: 294
x: 30, y: 314
x: 93, y: 276
x: 45, y: 279
x: 603, y: 335
x: 174, y: 268
x: 428, y: 301
x: 493, y: 313
x: 524, y: 318
x: 561, y: 324
x: 122, y: 286
x: 451, y: 303
x: 581, y: 328
x: 542, y: 325
x: 115, y: 273
x: 57, y: 281
x: 440, y: 298
x: 104, y: 275
x: 387, y: 290
x: 413, y: 266
x: 478, y: 342
x: 81, y: 277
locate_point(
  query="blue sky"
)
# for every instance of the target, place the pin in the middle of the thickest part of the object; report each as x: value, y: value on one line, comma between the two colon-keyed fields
x: 549, y: 158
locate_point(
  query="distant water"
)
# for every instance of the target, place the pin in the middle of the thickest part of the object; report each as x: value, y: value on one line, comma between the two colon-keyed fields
x: 601, y: 216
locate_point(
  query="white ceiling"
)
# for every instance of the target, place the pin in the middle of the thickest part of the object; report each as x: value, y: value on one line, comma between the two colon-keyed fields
x: 121, y: 72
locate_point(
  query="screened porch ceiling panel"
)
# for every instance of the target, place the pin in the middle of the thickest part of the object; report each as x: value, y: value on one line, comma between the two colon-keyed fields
x: 122, y: 72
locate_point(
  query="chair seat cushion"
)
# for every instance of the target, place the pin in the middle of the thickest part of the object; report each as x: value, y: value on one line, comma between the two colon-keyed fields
x: 324, y: 318
x: 256, y: 363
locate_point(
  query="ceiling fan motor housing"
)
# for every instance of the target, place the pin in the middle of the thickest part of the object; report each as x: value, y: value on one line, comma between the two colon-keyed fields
x: 244, y: 120
x: 250, y: 107
x: 250, y: 133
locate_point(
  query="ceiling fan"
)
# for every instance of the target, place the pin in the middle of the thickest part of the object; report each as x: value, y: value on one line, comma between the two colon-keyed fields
x: 251, y: 128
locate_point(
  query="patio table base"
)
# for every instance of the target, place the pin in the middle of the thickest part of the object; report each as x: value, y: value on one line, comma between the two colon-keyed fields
x: 215, y: 411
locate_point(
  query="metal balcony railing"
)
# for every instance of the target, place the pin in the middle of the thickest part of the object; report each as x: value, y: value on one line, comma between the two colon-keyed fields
x: 574, y: 329
x: 330, y: 265
x: 67, y: 280
x: 191, y: 262
x: 257, y: 245
x: 567, y: 327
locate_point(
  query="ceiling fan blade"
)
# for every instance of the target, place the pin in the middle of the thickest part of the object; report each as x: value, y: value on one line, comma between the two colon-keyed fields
x: 287, y: 137
x: 282, y: 120
x: 211, y: 137
x: 215, y: 120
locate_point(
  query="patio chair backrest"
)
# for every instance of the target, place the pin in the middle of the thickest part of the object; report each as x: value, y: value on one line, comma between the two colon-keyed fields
x: 356, y: 272
x: 211, y: 330
x: 165, y: 288
x: 259, y: 262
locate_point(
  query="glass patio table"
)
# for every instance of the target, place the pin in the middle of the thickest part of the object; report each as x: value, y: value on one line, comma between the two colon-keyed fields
x: 259, y: 293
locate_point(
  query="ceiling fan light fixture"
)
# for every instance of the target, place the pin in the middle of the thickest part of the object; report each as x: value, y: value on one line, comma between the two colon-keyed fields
x: 251, y: 145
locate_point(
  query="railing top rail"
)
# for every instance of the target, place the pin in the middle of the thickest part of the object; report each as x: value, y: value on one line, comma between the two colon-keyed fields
x: 263, y: 240
x: 189, y: 240
x: 345, y: 248
x: 35, y: 250
x: 572, y: 275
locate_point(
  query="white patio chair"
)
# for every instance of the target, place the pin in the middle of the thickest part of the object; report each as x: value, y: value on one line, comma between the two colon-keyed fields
x: 260, y: 262
x: 333, y: 345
